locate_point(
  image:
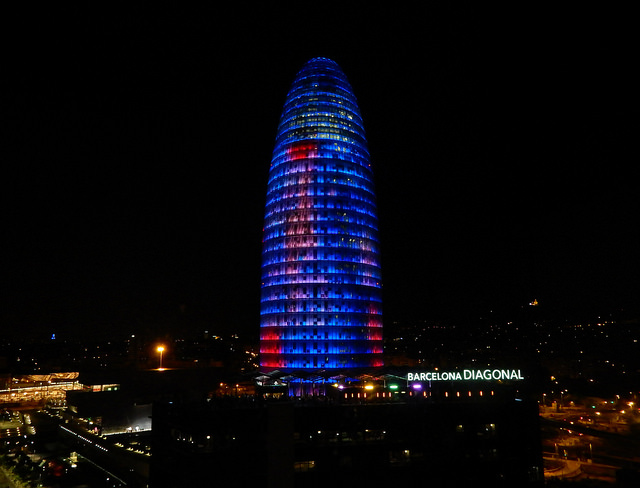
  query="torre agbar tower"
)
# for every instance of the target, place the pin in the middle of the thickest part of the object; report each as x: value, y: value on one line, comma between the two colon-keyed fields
x: 321, y: 304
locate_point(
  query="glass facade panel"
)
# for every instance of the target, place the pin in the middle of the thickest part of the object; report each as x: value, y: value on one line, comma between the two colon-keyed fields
x: 321, y: 300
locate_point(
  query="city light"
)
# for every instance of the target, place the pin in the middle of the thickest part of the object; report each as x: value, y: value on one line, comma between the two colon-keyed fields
x: 160, y: 349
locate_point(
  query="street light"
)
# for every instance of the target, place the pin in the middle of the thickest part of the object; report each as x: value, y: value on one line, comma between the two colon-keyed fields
x: 160, y: 349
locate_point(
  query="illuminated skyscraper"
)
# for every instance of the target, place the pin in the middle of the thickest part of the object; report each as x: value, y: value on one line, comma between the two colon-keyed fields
x: 321, y: 301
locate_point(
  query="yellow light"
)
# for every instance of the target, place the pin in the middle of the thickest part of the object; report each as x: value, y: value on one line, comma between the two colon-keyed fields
x: 160, y: 349
x: 368, y: 387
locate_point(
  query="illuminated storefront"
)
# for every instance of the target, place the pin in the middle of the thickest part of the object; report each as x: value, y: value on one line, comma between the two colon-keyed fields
x: 321, y: 301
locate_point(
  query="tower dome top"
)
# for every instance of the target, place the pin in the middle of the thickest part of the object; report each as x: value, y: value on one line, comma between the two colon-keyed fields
x: 321, y: 59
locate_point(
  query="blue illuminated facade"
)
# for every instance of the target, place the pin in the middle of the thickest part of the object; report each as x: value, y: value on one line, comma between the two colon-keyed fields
x: 321, y: 303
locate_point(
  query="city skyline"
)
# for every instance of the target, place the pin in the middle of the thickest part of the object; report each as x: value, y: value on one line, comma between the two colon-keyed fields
x: 499, y: 151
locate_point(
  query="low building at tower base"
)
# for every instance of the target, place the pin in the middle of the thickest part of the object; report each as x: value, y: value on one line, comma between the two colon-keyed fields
x: 377, y: 431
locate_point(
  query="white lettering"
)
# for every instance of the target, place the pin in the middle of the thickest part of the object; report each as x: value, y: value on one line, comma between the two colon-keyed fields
x: 467, y: 374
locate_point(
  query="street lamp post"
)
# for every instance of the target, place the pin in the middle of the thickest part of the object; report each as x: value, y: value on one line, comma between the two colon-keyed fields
x: 160, y: 349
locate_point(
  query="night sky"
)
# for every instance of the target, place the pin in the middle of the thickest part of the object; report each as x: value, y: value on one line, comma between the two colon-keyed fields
x: 140, y: 140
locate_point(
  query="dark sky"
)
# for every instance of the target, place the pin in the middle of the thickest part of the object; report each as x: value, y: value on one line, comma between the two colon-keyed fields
x: 140, y: 140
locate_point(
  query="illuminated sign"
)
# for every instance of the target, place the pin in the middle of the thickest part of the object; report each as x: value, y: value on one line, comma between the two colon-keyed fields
x: 468, y: 375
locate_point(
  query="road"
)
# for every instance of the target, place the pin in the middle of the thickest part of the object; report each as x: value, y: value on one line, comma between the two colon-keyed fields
x: 596, y: 449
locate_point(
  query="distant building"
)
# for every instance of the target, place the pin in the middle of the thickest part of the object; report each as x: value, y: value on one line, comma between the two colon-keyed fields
x: 321, y: 303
